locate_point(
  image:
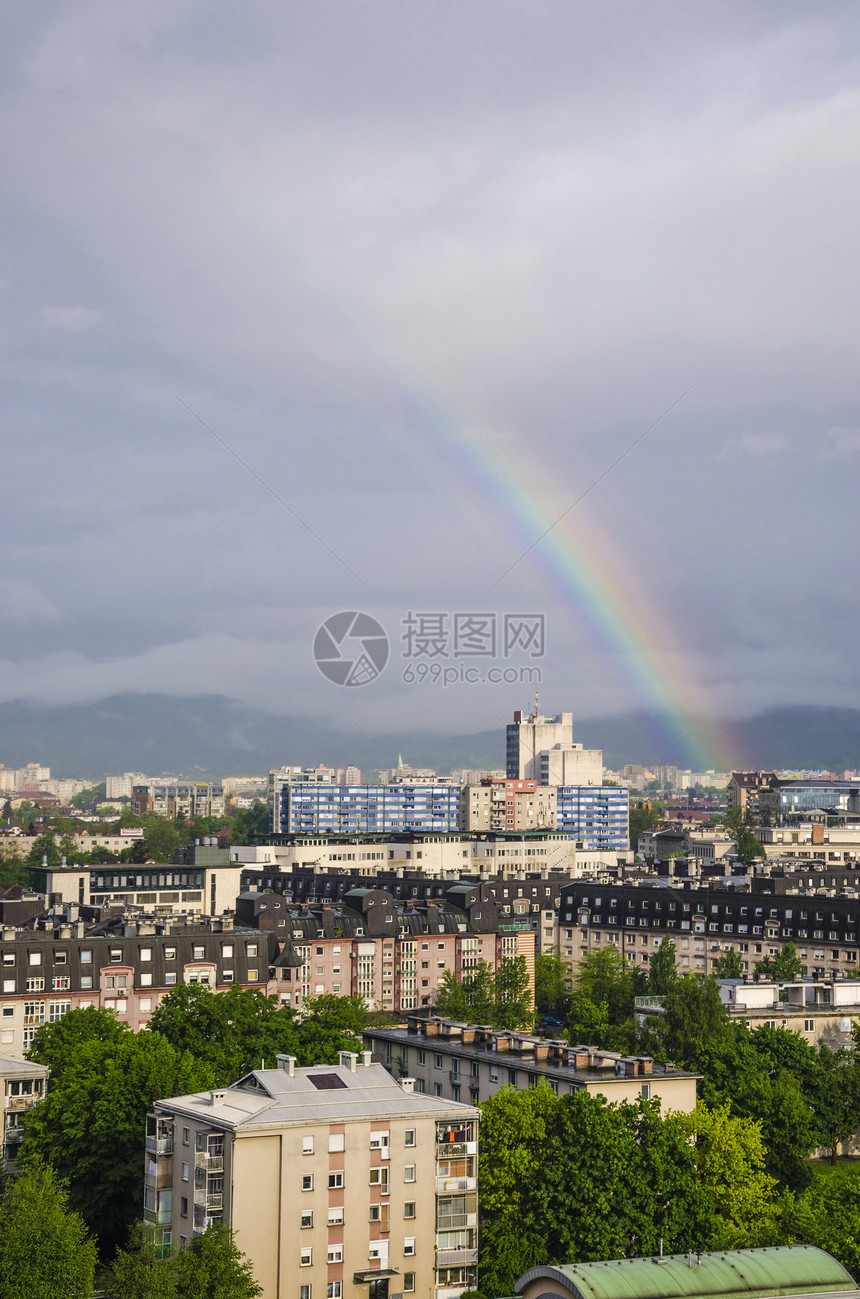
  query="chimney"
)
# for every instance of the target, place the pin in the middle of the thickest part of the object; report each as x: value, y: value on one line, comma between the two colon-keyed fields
x: 408, y: 1084
x: 349, y: 1060
x: 287, y: 1063
x: 367, y: 1058
x: 215, y: 1097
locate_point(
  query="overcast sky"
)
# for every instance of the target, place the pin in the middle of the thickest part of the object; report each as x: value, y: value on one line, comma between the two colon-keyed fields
x: 361, y: 240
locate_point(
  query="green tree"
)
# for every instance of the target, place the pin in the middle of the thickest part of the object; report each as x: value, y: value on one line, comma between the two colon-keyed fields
x: 729, y: 965
x: 730, y: 1161
x: 604, y: 976
x: 213, y: 1268
x: 45, y: 1249
x: 87, y: 797
x: 57, y: 1044
x: 141, y: 1271
x: 644, y: 816
x: 782, y: 968
x: 552, y: 995
x: 250, y: 822
x: 695, y: 1022
x: 662, y: 974
x: 834, y: 1098
x: 44, y: 845
x: 90, y: 1127
x: 512, y: 997
x: 574, y: 1178
x: 588, y: 1024
x: 827, y: 1215
x: 470, y: 999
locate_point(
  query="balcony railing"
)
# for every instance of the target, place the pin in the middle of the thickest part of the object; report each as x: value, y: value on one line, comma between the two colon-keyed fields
x: 214, y: 1163
x: 160, y: 1145
x: 456, y: 1183
x: 160, y: 1217
x: 455, y: 1150
x: 456, y: 1257
x: 21, y: 1102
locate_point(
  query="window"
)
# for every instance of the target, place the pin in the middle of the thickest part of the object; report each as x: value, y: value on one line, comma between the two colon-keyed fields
x: 408, y: 1280
x: 378, y: 1141
x: 169, y: 978
x: 334, y: 1290
x: 409, y: 1209
x: 335, y: 1181
x: 645, y: 1091
x: 115, y: 955
x: 307, y: 1219
x: 185, y: 1167
x: 379, y: 1177
x: 335, y: 1216
x: 308, y: 1181
x: 146, y: 979
x: 227, y: 951
x: 170, y: 953
x: 186, y: 1136
x: 307, y: 1145
x: 146, y: 953
x: 408, y: 1245
x: 809, y: 1026
x: 409, y: 1137
x: 304, y: 1292
x: 306, y: 1257
x: 34, y: 958
x: 335, y: 1254
x: 437, y: 1060
x: 183, y: 1212
x: 335, y: 1143
x: 252, y: 976
x: 409, y: 1173
x: 251, y: 949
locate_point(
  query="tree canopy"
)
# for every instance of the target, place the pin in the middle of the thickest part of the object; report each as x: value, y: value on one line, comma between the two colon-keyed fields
x: 501, y: 998
x: 45, y: 1248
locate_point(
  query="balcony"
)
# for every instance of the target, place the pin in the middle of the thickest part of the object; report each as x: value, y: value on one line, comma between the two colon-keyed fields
x: 456, y: 1149
x: 17, y: 1103
x: 212, y: 1163
x: 456, y: 1183
x: 161, y: 1217
x: 456, y: 1257
x: 160, y: 1175
x: 162, y: 1145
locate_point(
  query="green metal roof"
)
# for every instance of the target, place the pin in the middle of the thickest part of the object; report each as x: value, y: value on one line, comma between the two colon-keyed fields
x: 751, y: 1273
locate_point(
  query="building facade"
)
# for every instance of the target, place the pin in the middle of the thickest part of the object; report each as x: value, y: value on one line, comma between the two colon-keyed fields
x: 464, y: 1061
x: 184, y: 801
x: 596, y: 817
x: 361, y: 809
x: 543, y: 749
x: 338, y: 1182
x: 23, y: 1084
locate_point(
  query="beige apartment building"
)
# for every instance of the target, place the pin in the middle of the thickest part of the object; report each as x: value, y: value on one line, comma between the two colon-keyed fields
x: 507, y: 805
x: 339, y: 1182
x: 543, y: 749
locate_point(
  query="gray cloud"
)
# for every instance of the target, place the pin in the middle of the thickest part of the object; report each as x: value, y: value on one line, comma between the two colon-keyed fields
x: 390, y: 254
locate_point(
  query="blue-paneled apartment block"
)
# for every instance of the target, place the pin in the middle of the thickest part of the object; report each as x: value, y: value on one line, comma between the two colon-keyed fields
x: 368, y: 809
x: 594, y: 815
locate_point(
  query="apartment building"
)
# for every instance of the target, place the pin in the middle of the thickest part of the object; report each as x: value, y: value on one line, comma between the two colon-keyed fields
x: 338, y: 1182
x: 45, y: 973
x: 304, y: 808
x: 705, y: 922
x: 22, y: 1084
x: 393, y: 956
x: 460, y: 1061
x: 184, y: 800
x: 122, y: 786
x: 506, y: 805
x: 819, y: 1012
x: 596, y: 817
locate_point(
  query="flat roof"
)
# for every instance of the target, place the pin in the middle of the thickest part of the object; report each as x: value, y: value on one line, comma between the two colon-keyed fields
x: 512, y: 1059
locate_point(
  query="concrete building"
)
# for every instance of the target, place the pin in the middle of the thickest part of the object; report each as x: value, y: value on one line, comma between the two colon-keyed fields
x: 543, y: 749
x: 742, y: 1273
x: 596, y: 817
x: 46, y: 972
x: 204, y: 880
x: 507, y: 805
x: 23, y: 1084
x: 184, y: 800
x: 122, y: 786
x: 366, y: 809
x: 338, y: 1182
x: 393, y: 956
x: 752, y: 789
x: 819, y: 1012
x: 466, y: 1061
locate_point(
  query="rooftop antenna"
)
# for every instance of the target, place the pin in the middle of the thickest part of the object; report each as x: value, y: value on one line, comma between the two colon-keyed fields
x: 537, y: 703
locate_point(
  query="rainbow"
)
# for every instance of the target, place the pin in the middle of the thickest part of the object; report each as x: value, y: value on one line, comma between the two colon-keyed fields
x: 583, y: 567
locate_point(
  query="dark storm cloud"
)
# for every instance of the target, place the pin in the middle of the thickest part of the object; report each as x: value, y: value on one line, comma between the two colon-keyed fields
x: 327, y: 226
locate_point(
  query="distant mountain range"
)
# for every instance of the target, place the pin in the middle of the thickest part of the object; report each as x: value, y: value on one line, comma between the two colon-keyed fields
x: 214, y: 735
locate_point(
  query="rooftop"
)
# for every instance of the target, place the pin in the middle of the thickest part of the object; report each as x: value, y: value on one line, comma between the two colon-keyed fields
x: 11, y: 1066
x: 275, y: 1098
x: 784, y: 1270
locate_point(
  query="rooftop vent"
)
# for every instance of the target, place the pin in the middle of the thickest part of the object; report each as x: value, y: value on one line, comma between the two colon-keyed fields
x: 408, y: 1084
x: 287, y: 1063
